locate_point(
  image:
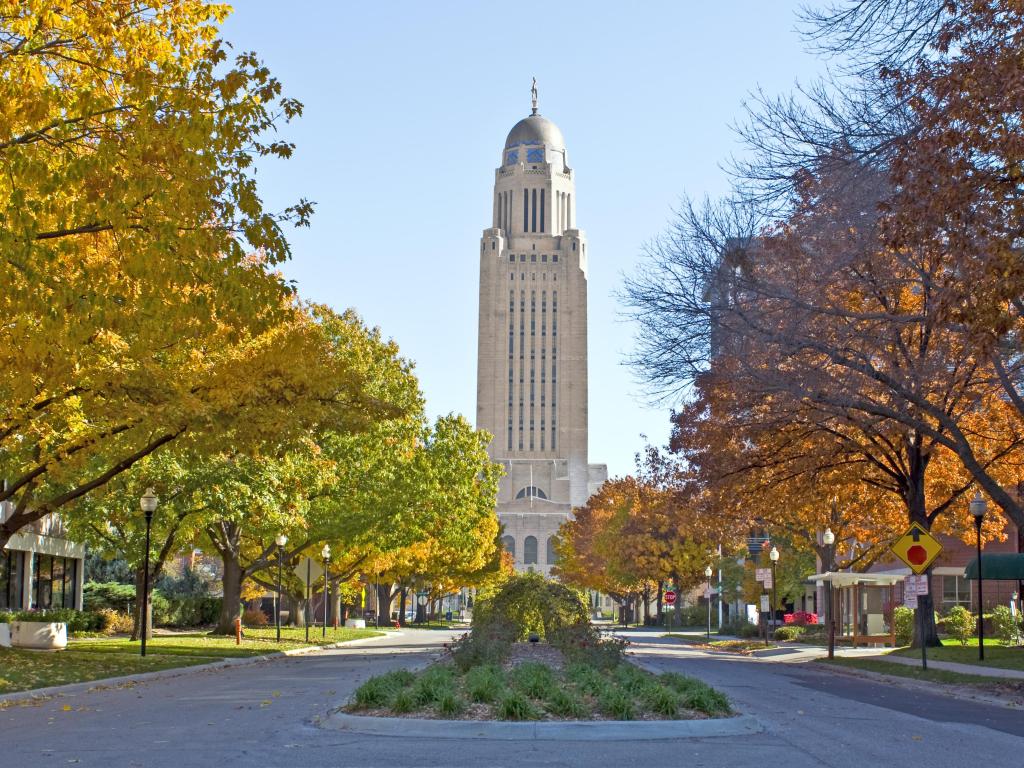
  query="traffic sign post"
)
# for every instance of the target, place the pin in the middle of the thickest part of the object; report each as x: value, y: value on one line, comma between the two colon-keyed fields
x: 765, y: 607
x: 669, y: 597
x: 918, y: 549
x: 308, y: 572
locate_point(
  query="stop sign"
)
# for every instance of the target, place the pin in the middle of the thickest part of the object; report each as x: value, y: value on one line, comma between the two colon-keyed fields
x: 669, y: 597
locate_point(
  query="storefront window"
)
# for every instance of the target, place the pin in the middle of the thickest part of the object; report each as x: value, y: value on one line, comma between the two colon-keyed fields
x: 11, y: 580
x: 53, y: 581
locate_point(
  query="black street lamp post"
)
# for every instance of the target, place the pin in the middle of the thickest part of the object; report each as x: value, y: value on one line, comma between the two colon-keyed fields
x: 828, y: 539
x: 774, y: 556
x: 978, y: 508
x: 148, y: 503
x: 326, y: 552
x: 707, y: 574
x: 281, y: 540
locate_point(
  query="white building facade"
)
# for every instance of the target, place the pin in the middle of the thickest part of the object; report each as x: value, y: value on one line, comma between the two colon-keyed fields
x: 532, y: 357
x: 40, y: 567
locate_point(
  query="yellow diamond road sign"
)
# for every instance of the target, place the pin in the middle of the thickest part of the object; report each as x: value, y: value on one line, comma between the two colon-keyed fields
x: 917, y: 548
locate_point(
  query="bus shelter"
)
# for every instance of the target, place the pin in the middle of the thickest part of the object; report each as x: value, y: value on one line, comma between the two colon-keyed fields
x: 862, y: 605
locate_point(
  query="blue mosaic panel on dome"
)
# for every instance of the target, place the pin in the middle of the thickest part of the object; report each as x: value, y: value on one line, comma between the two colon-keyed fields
x: 535, y: 155
x: 512, y: 158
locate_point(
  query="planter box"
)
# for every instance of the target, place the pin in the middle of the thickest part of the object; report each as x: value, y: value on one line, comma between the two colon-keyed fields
x: 356, y: 623
x: 5, y: 635
x: 40, y: 635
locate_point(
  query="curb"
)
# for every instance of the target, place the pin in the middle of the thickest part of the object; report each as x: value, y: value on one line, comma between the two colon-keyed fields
x: 599, y: 730
x: 39, y: 695
x: 950, y: 690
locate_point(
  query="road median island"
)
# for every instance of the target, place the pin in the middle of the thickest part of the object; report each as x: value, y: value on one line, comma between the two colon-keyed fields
x: 533, y: 667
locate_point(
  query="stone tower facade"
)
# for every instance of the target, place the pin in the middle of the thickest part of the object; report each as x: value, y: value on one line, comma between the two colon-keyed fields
x: 532, y: 360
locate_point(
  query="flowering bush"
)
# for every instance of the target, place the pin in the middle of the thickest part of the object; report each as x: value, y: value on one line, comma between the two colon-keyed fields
x: 800, y: 618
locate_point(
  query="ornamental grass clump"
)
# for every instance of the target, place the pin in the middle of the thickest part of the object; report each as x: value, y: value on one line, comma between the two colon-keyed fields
x: 514, y: 705
x: 432, y: 685
x: 565, y: 703
x: 404, y: 702
x: 617, y: 704
x: 661, y: 700
x: 534, y: 679
x: 374, y: 693
x: 485, y: 684
x: 450, y: 705
x: 631, y: 679
x: 694, y: 694
x: 589, y: 680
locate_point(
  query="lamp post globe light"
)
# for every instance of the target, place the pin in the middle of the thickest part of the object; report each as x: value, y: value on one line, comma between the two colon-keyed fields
x: 828, y: 539
x: 148, y: 503
x: 707, y: 574
x: 281, y: 540
x: 978, y: 508
x: 774, y: 557
x: 326, y: 553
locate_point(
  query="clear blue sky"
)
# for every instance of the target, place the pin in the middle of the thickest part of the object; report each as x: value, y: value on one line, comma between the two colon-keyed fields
x: 407, y: 105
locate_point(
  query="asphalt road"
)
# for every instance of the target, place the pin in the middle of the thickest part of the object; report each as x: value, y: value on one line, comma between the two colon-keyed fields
x: 267, y: 715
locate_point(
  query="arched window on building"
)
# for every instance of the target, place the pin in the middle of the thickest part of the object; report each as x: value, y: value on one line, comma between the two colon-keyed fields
x: 551, y: 550
x: 509, y: 544
x: 530, y: 550
x: 531, y: 490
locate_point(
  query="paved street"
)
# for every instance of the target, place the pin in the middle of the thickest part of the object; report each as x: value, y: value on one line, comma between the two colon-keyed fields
x: 266, y: 714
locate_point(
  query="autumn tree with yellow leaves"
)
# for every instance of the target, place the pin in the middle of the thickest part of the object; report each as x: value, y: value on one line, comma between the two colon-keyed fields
x: 148, y: 340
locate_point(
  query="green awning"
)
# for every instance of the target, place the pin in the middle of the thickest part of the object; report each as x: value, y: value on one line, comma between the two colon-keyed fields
x: 997, y: 567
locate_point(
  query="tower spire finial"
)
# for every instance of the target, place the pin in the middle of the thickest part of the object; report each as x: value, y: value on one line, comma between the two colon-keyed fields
x: 533, y: 95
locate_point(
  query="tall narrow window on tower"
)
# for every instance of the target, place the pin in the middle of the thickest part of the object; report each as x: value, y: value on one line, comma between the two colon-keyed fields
x: 526, y: 210
x: 542, y: 210
x: 533, y: 214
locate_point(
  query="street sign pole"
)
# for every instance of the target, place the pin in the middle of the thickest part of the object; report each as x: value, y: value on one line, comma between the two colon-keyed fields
x: 921, y: 630
x: 918, y: 549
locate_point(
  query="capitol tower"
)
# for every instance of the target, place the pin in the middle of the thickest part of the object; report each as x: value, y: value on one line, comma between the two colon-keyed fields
x: 532, y: 360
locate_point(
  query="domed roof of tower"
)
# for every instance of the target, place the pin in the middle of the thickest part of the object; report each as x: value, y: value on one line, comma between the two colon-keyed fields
x: 535, y: 130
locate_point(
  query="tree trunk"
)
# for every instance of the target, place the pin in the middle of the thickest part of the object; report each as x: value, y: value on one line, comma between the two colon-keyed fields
x: 916, y: 503
x: 137, y: 608
x: 384, y: 596
x: 300, y: 611
x: 646, y: 597
x: 402, y: 601
x: 661, y: 591
x: 231, y: 606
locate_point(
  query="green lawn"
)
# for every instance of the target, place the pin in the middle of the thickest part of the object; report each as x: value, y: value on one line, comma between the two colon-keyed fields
x: 916, y: 673
x: 733, y: 646
x: 95, y: 658
x: 255, y: 642
x: 996, y: 654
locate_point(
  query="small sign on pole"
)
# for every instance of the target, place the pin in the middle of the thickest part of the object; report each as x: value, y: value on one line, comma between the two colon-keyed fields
x: 768, y: 581
x: 762, y: 573
x: 765, y: 604
x: 669, y: 597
